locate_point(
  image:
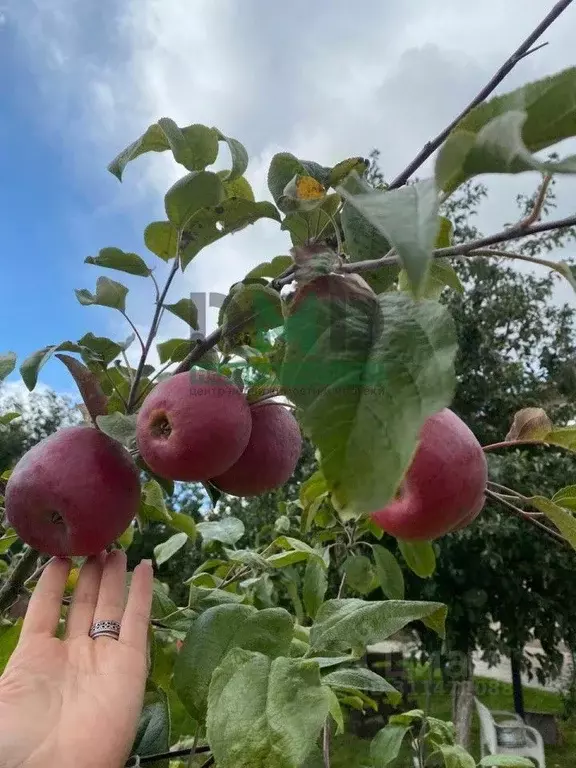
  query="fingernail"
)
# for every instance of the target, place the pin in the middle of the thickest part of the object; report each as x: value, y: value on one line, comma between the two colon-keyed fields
x: 146, y: 562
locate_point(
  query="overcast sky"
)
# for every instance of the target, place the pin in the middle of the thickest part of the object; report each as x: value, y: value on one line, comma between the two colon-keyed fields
x: 323, y: 80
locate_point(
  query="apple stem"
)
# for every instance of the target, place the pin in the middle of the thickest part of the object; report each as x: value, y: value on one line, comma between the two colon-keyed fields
x: 15, y: 582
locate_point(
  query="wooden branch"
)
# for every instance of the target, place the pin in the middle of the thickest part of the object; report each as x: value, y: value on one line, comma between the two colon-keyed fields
x: 524, y: 50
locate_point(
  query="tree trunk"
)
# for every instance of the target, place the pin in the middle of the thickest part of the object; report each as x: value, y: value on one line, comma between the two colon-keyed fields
x: 463, y: 704
x: 517, y: 689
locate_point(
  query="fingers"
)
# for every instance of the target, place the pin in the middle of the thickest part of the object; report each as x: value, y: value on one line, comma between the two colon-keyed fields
x: 45, y: 604
x: 134, y: 630
x: 112, y: 595
x: 81, y: 612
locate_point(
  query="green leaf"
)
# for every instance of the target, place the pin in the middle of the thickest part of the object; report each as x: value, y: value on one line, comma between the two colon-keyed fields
x: 314, y: 587
x: 505, y: 761
x: 336, y: 712
x: 373, y: 369
x: 6, y: 542
x: 284, y: 697
x: 456, y: 757
x: 174, y: 350
x: 500, y: 135
x: 283, y: 167
x: 93, y: 397
x: 31, y: 367
x: 249, y: 309
x: 272, y: 268
x: 359, y: 574
x: 161, y: 237
x: 9, y: 637
x: 566, y: 497
x: 419, y: 556
x: 363, y: 680
x: 109, y: 293
x: 152, y: 140
x: 7, y: 364
x: 167, y: 549
x: 119, y: 426
x: 562, y: 436
x: 306, y: 227
x: 386, y: 745
x: 344, y: 624
x: 186, y: 310
x: 116, y: 258
x: 211, y: 637
x: 125, y: 539
x: 153, y: 506
x: 190, y: 194
x: 194, y: 146
x: 184, y: 523
x: 408, y: 219
x: 101, y: 347
x: 162, y: 605
x: 562, y: 519
x: 239, y: 187
x: 211, y: 224
x: 153, y: 734
x: 238, y: 154
x: 364, y: 241
x: 389, y: 573
x: 6, y: 418
x: 339, y: 172
x: 227, y: 530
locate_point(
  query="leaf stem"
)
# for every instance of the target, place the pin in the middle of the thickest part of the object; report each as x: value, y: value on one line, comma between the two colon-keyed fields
x: 536, y: 211
x: 163, y: 756
x: 326, y: 743
x: 114, y: 387
x: 524, y: 50
x: 153, y: 329
x: 23, y: 569
x: 136, y: 331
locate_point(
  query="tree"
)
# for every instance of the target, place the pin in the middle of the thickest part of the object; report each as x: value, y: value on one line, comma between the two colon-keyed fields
x: 41, y: 415
x: 365, y: 353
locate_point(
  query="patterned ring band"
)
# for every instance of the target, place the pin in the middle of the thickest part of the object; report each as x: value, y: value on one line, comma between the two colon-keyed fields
x: 105, y: 629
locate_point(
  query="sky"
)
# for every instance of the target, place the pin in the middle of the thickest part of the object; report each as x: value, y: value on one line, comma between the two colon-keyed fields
x: 80, y: 80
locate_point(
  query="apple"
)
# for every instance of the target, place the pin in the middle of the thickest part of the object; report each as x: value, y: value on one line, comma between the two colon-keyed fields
x: 443, y: 489
x: 193, y: 426
x: 73, y: 493
x: 270, y: 456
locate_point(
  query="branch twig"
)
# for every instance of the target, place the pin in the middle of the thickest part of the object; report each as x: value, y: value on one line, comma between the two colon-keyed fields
x: 152, y: 333
x: 525, y: 515
x: 24, y: 567
x: 536, y: 211
x: 524, y: 50
x: 199, y: 350
x: 465, y: 249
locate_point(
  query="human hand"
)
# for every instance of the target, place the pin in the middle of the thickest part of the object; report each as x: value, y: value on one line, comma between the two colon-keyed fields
x: 76, y: 701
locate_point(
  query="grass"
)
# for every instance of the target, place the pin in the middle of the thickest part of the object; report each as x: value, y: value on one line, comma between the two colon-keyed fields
x: 498, y: 695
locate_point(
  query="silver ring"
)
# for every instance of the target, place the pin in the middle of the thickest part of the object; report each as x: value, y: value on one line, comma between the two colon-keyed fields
x: 105, y: 629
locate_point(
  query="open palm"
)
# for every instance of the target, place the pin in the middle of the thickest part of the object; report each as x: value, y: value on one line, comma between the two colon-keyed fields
x: 76, y: 701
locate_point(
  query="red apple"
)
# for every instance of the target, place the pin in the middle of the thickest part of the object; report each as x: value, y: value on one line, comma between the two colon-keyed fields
x: 73, y: 493
x: 270, y: 456
x: 193, y: 426
x: 443, y: 489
